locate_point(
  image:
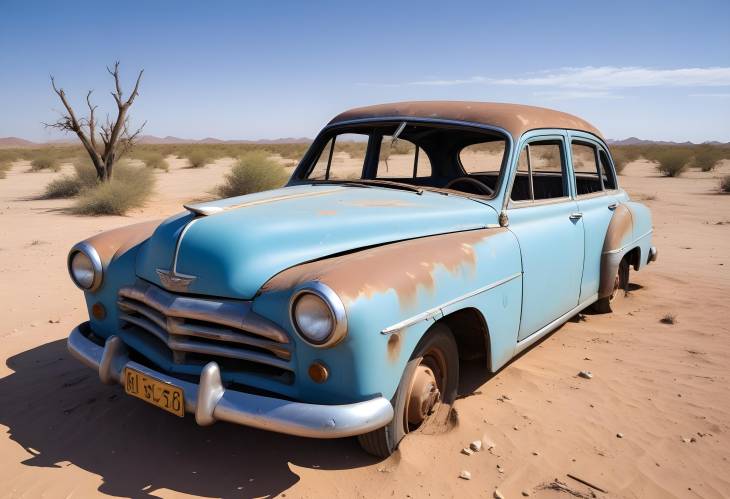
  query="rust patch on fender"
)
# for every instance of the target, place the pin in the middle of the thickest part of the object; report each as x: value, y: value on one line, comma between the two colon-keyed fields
x: 114, y: 243
x: 394, y: 346
x: 404, y: 267
x: 619, y: 230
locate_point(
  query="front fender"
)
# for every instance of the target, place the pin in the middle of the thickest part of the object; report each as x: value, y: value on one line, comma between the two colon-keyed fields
x: 399, y: 288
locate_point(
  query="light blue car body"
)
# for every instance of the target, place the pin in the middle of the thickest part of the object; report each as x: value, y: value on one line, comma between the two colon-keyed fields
x: 535, y: 267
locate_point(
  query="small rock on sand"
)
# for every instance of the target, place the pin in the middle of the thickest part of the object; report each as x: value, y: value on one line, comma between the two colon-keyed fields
x: 498, y: 494
x: 526, y: 493
x: 585, y: 374
x: 476, y: 445
x: 487, y: 443
x: 465, y: 475
x: 619, y: 435
x: 466, y: 451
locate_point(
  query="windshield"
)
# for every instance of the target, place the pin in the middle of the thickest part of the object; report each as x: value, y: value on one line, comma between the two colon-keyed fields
x: 402, y: 154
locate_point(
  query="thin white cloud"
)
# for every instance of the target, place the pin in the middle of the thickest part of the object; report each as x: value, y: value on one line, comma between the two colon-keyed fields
x: 577, y: 94
x: 603, y: 77
x: 712, y: 95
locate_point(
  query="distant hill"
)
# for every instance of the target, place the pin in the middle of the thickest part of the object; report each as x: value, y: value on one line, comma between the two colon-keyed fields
x: 634, y: 141
x: 151, y: 139
x: 13, y: 142
x: 7, y: 142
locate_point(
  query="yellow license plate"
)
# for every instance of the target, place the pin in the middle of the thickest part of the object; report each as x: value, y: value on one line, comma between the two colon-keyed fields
x: 164, y: 395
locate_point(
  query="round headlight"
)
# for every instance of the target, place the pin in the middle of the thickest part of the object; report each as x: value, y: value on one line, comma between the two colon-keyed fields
x: 313, y: 318
x: 318, y: 315
x: 84, y: 266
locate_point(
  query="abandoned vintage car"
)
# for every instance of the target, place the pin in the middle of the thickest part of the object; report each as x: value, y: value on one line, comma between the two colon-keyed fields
x: 410, y: 238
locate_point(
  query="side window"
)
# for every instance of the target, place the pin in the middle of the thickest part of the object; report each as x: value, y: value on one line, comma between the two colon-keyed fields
x: 402, y: 159
x: 342, y: 158
x: 585, y: 168
x: 609, y: 180
x: 545, y: 173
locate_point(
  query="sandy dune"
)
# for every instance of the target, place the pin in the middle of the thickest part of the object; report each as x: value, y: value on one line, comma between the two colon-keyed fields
x: 665, y: 388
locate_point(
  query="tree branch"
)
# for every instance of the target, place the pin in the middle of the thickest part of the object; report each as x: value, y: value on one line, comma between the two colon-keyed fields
x: 92, y: 123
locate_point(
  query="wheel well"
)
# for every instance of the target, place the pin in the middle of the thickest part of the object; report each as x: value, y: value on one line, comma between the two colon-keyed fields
x: 634, y: 257
x: 471, y: 334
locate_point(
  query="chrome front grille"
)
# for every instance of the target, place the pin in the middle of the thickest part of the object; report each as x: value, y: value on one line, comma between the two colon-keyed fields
x: 204, y: 327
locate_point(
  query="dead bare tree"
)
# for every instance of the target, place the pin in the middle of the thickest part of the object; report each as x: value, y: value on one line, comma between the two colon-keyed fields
x: 115, y: 135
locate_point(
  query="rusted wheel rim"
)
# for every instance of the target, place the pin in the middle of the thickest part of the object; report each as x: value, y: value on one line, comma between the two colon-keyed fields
x: 425, y: 391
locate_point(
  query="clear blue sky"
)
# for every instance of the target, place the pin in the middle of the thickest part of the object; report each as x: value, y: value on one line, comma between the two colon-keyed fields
x: 658, y: 70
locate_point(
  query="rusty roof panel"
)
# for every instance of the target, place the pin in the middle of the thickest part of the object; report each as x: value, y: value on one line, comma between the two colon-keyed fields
x: 515, y: 118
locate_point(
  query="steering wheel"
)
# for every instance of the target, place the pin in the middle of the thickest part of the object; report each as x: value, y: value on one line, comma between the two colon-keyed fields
x: 471, y: 181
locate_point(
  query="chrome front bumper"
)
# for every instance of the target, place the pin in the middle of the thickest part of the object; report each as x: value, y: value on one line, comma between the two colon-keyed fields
x: 211, y: 402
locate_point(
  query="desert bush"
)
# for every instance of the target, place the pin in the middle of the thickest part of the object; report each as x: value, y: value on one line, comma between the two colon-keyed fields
x: 46, y: 162
x: 254, y: 172
x: 671, y: 161
x: 620, y: 160
x: 4, y: 167
x: 725, y: 184
x: 153, y: 159
x: 129, y: 188
x: 198, y: 158
x: 69, y: 186
x: 707, y: 157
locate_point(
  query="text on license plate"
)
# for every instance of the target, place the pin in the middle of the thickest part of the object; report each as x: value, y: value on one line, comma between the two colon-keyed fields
x: 163, y: 395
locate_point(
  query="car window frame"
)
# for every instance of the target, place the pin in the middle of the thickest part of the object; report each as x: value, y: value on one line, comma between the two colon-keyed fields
x: 596, y: 153
x: 600, y: 146
x: 306, y: 164
x: 566, y: 168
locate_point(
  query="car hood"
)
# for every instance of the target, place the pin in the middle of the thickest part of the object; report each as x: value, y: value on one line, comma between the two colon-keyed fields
x: 233, y: 246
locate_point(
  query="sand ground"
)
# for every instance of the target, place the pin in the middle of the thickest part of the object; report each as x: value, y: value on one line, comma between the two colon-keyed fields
x: 665, y: 388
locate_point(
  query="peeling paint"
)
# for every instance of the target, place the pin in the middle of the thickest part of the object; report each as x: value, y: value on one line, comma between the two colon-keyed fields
x: 394, y: 347
x: 114, y: 243
x: 404, y: 267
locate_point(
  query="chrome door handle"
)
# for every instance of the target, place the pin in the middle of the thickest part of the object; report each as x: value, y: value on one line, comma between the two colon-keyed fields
x: 576, y: 216
x: 613, y: 206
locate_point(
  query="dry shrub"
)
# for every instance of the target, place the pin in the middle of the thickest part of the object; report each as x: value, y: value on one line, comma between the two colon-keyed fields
x: 129, y: 188
x: 198, y: 158
x: 45, y: 163
x: 725, y: 184
x: 154, y: 160
x: 254, y: 172
x: 69, y: 186
x: 4, y: 167
x: 707, y: 157
x: 672, y: 161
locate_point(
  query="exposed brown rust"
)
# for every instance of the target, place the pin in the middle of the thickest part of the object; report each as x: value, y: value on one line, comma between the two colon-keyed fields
x: 619, y: 230
x: 514, y: 118
x: 114, y: 243
x: 394, y: 346
x: 404, y: 267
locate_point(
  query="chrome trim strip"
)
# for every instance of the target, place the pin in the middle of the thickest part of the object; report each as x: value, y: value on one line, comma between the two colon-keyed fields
x: 210, y: 402
x: 337, y: 308
x: 430, y: 313
x: 619, y: 250
x: 90, y: 251
x: 201, y: 209
x: 526, y: 342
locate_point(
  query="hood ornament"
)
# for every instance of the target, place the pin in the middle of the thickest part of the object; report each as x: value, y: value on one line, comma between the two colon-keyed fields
x: 172, y: 281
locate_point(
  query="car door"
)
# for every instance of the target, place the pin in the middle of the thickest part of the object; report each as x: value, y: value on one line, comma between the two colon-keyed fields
x: 595, y: 188
x: 545, y: 219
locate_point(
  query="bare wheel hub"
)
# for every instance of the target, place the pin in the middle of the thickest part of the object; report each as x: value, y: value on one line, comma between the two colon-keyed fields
x: 424, y: 395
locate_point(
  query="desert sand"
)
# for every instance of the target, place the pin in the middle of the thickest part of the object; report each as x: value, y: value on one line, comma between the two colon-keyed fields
x: 664, y: 388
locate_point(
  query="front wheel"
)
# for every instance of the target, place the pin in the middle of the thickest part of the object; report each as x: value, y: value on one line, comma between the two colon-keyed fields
x: 426, y: 391
x: 620, y: 289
